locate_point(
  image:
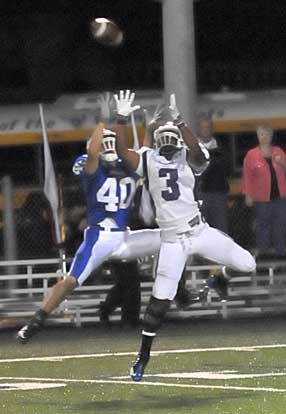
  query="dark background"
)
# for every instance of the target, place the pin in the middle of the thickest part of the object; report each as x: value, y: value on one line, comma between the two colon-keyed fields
x: 46, y: 48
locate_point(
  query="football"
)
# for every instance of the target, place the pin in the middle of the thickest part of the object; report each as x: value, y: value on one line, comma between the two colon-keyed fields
x: 106, y: 32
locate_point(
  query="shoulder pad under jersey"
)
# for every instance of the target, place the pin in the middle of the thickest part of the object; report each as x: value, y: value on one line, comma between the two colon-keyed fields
x: 79, y: 164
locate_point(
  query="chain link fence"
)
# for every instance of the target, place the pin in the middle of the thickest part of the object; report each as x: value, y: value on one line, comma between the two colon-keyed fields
x: 32, y: 224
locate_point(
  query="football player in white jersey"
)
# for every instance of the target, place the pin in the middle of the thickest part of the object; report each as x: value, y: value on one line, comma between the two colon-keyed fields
x: 167, y: 169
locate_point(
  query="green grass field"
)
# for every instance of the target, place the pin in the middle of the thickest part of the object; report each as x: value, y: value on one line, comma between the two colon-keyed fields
x: 197, y: 367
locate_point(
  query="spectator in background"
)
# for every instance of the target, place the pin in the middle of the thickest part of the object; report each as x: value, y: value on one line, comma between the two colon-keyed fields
x: 212, y: 186
x: 34, y: 229
x: 1, y: 237
x: 76, y: 222
x: 264, y: 186
x: 125, y: 293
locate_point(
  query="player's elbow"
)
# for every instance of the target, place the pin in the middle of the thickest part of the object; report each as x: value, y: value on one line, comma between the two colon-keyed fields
x: 121, y: 149
x: 130, y: 158
x: 200, y: 167
x: 122, y: 152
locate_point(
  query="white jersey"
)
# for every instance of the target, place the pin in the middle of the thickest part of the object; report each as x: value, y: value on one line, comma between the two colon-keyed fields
x: 171, y: 184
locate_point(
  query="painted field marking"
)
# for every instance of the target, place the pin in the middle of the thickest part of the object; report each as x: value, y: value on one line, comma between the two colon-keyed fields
x: 252, y: 348
x: 216, y: 375
x: 24, y: 386
x: 145, y: 383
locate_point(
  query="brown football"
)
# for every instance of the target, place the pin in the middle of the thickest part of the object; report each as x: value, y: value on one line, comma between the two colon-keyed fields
x: 106, y: 32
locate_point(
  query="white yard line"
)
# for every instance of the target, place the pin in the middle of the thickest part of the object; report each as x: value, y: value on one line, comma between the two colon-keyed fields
x: 207, y: 375
x: 156, y: 384
x: 26, y: 386
x: 170, y: 351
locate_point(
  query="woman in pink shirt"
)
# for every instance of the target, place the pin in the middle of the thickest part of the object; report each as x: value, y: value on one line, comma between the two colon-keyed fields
x: 264, y: 186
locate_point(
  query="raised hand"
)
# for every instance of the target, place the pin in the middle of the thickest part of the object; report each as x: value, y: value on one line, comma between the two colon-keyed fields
x: 124, y: 103
x: 152, y: 123
x: 175, y: 114
x: 157, y: 116
x: 104, y: 101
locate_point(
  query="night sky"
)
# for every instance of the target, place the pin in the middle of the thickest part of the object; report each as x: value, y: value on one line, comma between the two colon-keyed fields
x: 241, y: 30
x: 46, y: 48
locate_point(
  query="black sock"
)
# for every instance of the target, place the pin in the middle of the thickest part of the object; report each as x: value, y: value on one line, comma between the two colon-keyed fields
x: 40, y: 316
x: 146, y: 344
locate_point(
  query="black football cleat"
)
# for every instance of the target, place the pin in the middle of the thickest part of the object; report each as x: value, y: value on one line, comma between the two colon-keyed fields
x: 137, y: 371
x: 187, y: 301
x: 219, y: 283
x: 185, y: 298
x: 28, y: 331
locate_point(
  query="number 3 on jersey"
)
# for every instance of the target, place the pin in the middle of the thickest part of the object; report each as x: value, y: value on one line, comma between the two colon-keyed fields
x: 116, y: 198
x: 172, y: 191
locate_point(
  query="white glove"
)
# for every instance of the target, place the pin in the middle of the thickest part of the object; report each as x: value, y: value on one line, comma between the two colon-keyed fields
x: 157, y: 116
x: 124, y: 103
x: 175, y: 114
x: 104, y: 101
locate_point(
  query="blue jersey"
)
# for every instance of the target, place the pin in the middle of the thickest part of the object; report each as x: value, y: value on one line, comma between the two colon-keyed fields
x: 109, y: 191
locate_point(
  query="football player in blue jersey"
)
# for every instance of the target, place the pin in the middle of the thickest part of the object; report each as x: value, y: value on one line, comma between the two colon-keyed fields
x: 109, y: 187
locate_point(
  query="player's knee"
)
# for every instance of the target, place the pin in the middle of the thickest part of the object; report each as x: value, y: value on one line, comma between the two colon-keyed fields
x: 155, y: 312
x: 165, y: 287
x: 242, y: 260
x: 69, y: 283
x: 248, y: 265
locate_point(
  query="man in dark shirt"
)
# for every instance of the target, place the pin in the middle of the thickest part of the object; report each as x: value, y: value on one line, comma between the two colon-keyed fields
x: 212, y: 186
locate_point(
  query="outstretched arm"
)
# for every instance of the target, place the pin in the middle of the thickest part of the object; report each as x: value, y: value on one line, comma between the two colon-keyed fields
x: 94, y: 149
x: 123, y: 109
x: 151, y: 124
x: 196, y: 156
x: 148, y: 136
x: 94, y: 143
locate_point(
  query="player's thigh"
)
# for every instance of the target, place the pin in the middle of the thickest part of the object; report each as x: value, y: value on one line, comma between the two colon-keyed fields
x: 172, y: 259
x: 218, y: 247
x: 95, y: 249
x: 138, y: 243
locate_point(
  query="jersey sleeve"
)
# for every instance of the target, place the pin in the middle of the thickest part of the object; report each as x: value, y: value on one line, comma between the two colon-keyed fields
x: 79, y: 164
x: 140, y: 168
x: 87, y: 180
x: 198, y: 170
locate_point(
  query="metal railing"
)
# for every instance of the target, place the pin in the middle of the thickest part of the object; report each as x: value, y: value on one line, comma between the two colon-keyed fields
x: 260, y: 293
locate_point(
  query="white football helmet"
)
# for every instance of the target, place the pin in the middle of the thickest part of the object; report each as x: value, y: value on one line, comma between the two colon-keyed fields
x: 108, y: 152
x: 168, y: 139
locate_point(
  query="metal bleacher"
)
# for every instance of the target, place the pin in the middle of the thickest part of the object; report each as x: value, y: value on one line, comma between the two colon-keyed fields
x: 29, y: 280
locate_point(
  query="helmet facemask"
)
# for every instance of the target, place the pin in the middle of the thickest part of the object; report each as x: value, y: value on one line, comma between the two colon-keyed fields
x: 108, y: 147
x: 108, y: 152
x: 168, y: 140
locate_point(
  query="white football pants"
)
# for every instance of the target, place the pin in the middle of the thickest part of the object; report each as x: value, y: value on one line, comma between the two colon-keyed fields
x: 137, y: 244
x: 207, y: 242
x: 99, y: 246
